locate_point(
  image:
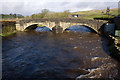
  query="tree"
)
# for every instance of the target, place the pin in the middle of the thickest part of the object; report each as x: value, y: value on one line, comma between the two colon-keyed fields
x: 66, y: 13
x: 44, y: 12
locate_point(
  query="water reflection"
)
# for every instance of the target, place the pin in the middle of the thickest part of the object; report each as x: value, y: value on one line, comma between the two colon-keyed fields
x: 79, y: 28
x: 76, y: 28
x: 42, y: 29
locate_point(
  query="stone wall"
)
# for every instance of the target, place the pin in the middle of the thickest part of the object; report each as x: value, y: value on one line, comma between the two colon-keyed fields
x: 8, y: 26
x: 117, y: 22
x: 52, y: 22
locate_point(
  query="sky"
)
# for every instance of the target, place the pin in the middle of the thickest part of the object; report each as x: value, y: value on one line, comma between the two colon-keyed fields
x: 29, y: 7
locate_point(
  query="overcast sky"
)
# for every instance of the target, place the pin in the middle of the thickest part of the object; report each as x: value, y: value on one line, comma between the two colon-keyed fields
x: 28, y: 7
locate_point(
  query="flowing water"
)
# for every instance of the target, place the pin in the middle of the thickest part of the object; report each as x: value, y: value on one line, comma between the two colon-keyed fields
x: 45, y: 55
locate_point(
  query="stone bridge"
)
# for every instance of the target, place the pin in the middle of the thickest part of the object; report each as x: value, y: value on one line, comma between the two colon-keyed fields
x: 55, y: 24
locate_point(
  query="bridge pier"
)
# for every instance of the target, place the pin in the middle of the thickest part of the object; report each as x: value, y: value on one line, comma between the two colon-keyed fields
x: 57, y: 29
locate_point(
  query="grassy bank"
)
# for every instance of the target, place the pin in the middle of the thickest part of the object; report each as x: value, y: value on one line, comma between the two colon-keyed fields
x: 8, y: 34
x: 8, y: 28
x: 97, y: 13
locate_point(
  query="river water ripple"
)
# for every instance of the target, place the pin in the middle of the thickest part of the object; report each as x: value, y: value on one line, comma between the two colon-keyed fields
x: 45, y: 55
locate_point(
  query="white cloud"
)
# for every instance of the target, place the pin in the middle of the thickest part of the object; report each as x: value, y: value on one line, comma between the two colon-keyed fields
x: 27, y: 7
x: 42, y: 1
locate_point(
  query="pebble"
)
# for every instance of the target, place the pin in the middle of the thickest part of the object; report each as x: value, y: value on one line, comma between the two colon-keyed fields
x: 94, y: 58
x: 96, y: 47
x: 71, y: 38
x: 75, y: 47
x: 89, y: 41
x: 98, y: 40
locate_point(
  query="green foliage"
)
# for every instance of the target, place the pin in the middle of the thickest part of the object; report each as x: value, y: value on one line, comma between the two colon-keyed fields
x: 44, y: 12
x: 47, y: 14
x: 40, y: 15
x: 82, y: 14
x: 39, y: 25
x: 11, y: 16
x: 8, y: 34
x: 66, y: 13
x: 8, y: 28
x: 97, y: 13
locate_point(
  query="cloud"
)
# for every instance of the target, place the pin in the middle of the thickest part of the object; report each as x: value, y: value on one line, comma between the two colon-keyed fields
x: 44, y: 1
x: 28, y: 7
x: 97, y: 5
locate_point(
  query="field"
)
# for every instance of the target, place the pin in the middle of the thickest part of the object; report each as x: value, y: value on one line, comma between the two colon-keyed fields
x: 97, y: 13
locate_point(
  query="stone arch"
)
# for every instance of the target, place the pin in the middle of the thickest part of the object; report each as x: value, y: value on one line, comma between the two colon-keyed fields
x: 91, y: 28
x: 49, y: 25
x: 31, y: 27
x: 69, y: 24
x: 35, y: 25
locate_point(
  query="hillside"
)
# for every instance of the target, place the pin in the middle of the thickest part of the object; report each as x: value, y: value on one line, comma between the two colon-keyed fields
x: 97, y: 13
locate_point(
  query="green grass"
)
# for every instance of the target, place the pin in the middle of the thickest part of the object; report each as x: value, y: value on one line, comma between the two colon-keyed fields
x: 97, y: 14
x: 40, y: 25
x: 8, y: 34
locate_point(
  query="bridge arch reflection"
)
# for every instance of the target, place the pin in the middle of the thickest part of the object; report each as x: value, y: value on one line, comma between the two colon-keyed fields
x: 82, y: 28
x: 37, y: 27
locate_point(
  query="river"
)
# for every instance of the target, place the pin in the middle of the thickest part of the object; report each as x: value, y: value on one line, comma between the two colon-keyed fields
x: 45, y: 55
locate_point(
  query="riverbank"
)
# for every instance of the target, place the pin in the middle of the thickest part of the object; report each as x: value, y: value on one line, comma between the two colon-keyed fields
x: 117, y: 42
x: 113, y: 47
x: 8, y: 34
x: 8, y: 28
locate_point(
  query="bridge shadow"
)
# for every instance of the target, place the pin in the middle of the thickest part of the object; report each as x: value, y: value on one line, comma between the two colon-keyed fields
x: 108, y: 44
x: 101, y: 30
x: 109, y: 47
x: 113, y: 51
x: 105, y: 45
x: 42, y: 29
x: 90, y: 29
x: 31, y: 27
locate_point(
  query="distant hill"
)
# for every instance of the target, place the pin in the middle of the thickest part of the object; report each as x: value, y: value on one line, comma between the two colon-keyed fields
x: 91, y: 14
x: 97, y: 13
